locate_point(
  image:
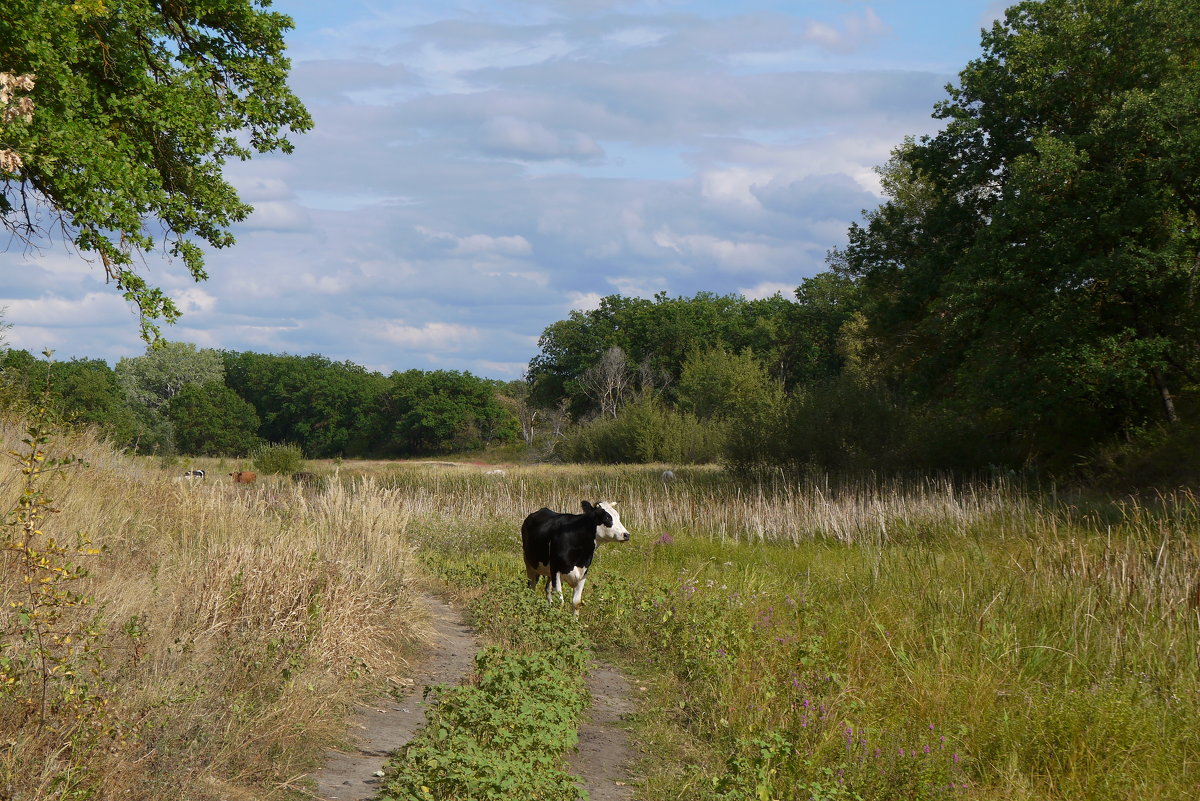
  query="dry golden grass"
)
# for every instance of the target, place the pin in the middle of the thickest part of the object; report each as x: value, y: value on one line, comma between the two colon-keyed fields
x: 239, y: 625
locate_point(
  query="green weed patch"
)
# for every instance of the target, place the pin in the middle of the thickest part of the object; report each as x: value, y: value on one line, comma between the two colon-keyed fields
x: 504, y: 734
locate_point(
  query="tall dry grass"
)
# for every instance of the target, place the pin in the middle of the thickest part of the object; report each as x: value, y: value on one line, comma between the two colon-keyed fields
x: 238, y: 625
x: 706, y: 502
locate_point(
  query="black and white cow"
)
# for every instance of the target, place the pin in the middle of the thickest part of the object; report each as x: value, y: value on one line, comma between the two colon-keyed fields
x: 561, y: 546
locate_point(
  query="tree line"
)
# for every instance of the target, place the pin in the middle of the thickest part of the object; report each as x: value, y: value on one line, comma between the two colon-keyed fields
x: 177, y: 398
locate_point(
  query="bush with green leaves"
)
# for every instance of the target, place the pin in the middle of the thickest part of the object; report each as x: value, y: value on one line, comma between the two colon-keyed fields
x: 278, y: 459
x: 211, y: 420
x: 645, y: 431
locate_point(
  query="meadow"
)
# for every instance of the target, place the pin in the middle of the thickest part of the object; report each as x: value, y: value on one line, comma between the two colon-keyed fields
x: 904, y: 639
x: 875, y: 640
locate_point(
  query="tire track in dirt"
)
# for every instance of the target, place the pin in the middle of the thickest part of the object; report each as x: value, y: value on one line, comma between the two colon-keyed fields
x: 604, y: 754
x: 382, y: 728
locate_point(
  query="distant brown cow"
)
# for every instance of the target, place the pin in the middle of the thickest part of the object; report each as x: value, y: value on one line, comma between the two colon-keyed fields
x: 243, y: 477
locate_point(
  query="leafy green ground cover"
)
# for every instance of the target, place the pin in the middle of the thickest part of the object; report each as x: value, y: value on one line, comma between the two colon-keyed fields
x: 504, y: 734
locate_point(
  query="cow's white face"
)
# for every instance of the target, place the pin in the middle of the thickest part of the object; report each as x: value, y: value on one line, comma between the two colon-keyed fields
x: 614, y: 533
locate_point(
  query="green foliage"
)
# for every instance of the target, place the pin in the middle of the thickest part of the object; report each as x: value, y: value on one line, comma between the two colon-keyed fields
x: 323, y: 404
x: 282, y: 459
x: 717, y: 384
x: 504, y: 735
x: 657, y: 337
x: 81, y: 391
x: 1037, y: 259
x: 87, y: 392
x: 441, y: 412
x: 645, y: 431
x: 849, y: 426
x: 157, y: 376
x: 211, y: 420
x: 136, y: 108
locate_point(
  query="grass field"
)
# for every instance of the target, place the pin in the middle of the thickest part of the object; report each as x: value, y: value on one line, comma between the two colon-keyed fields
x: 919, y: 640
x: 875, y: 640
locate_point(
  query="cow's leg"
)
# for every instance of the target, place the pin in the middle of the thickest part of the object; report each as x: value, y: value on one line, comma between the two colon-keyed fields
x: 554, y: 586
x: 577, y: 599
x: 576, y: 579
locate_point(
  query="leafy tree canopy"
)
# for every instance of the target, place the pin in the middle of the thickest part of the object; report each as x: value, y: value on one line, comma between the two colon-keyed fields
x: 1038, y: 257
x: 121, y: 118
x: 211, y: 420
x: 443, y: 411
x: 311, y: 400
x: 656, y: 337
x: 166, y: 368
x: 717, y: 384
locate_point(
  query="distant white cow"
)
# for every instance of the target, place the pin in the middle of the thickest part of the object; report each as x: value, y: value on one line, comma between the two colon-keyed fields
x: 668, y: 476
x: 496, y: 472
x: 194, y: 474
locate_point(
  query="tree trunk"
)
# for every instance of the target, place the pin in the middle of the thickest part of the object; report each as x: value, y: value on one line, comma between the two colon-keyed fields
x: 1165, y: 394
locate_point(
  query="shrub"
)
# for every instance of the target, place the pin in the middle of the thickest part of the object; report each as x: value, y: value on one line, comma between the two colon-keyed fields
x: 278, y: 459
x: 645, y: 431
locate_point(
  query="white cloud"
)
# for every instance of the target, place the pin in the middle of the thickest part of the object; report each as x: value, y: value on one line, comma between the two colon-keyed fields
x: 476, y: 244
x: 766, y: 289
x: 583, y: 301
x: 726, y: 253
x: 528, y: 139
x: 258, y: 189
x: 94, y: 308
x: 482, y: 243
x: 505, y: 369
x: 638, y: 286
x: 853, y: 33
x: 193, y: 300
x: 278, y: 215
x: 432, y: 336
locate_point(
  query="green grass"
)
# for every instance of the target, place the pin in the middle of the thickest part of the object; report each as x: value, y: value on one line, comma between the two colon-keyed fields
x: 877, y: 641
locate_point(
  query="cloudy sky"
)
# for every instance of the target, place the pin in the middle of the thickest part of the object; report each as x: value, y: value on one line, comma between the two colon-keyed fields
x: 479, y: 169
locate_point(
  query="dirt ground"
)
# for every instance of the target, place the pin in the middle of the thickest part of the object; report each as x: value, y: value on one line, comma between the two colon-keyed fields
x: 603, y: 753
x: 385, y: 726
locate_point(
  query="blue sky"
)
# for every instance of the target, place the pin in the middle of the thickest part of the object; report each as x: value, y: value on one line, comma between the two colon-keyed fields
x: 479, y: 169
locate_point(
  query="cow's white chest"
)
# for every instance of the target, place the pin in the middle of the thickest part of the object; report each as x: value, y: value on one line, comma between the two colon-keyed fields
x: 575, y: 576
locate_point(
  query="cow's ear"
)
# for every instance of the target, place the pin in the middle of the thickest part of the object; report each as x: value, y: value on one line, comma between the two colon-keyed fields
x: 587, y: 507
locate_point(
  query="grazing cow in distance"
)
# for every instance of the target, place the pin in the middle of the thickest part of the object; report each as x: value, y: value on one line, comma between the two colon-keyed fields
x: 561, y: 546
x: 668, y: 476
x: 192, y: 474
x: 243, y: 477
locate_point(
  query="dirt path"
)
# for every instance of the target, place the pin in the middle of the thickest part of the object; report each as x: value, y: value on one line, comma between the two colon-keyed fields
x: 603, y: 755
x: 379, y: 730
